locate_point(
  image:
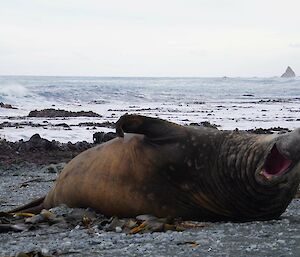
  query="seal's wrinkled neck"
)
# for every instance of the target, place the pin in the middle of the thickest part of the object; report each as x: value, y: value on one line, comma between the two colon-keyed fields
x: 258, y: 171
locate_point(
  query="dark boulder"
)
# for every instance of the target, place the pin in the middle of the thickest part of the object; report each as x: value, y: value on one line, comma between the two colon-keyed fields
x: 101, y: 137
x: 7, y: 106
x: 36, y: 143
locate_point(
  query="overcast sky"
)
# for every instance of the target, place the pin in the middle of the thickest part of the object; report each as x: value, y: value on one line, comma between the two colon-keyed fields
x: 149, y: 38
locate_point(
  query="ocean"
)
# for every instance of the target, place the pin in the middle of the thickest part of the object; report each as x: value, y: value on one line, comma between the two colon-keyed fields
x: 243, y: 103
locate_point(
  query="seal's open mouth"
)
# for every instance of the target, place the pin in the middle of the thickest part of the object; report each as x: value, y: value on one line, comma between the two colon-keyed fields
x: 276, y: 163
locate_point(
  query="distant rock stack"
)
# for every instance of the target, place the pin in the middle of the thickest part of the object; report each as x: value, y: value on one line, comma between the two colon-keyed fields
x: 289, y: 73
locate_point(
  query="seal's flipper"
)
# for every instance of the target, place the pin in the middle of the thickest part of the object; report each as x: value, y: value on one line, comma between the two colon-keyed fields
x: 155, y: 130
x: 33, y: 207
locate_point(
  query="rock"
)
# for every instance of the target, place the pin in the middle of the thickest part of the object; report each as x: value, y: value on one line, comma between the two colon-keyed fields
x: 289, y: 73
x: 145, y: 217
x: 101, y: 137
x: 54, y: 168
x: 113, y: 224
x: 44, y: 216
x: 206, y: 124
x: 106, y: 124
x: 37, y: 143
x: 118, y: 229
x: 32, y: 254
x: 12, y: 227
x: 272, y: 130
x: 82, y: 146
x: 7, y: 106
x: 61, y: 113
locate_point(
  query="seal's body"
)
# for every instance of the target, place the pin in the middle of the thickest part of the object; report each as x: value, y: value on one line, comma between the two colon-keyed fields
x: 165, y: 169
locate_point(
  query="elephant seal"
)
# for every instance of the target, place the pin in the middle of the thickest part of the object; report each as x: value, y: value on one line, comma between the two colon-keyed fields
x: 197, y: 173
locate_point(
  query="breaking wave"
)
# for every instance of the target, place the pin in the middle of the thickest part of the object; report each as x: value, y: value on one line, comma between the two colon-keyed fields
x: 10, y: 92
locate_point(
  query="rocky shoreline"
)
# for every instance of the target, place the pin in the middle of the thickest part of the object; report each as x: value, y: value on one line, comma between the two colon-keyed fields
x: 38, y: 150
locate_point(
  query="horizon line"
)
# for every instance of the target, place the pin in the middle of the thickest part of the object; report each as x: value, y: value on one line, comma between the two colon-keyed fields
x: 140, y: 76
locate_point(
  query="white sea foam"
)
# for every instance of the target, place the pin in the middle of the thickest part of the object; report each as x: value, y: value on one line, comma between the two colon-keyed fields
x: 13, y: 90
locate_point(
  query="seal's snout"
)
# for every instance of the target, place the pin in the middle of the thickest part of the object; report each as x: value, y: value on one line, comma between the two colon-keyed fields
x: 289, y: 145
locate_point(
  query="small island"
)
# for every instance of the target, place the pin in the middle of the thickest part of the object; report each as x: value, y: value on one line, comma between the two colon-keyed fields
x: 289, y: 73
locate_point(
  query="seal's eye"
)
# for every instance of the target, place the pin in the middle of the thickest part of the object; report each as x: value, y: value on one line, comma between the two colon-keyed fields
x: 276, y: 163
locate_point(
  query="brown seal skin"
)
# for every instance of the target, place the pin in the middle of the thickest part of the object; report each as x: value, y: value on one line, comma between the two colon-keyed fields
x: 165, y: 169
